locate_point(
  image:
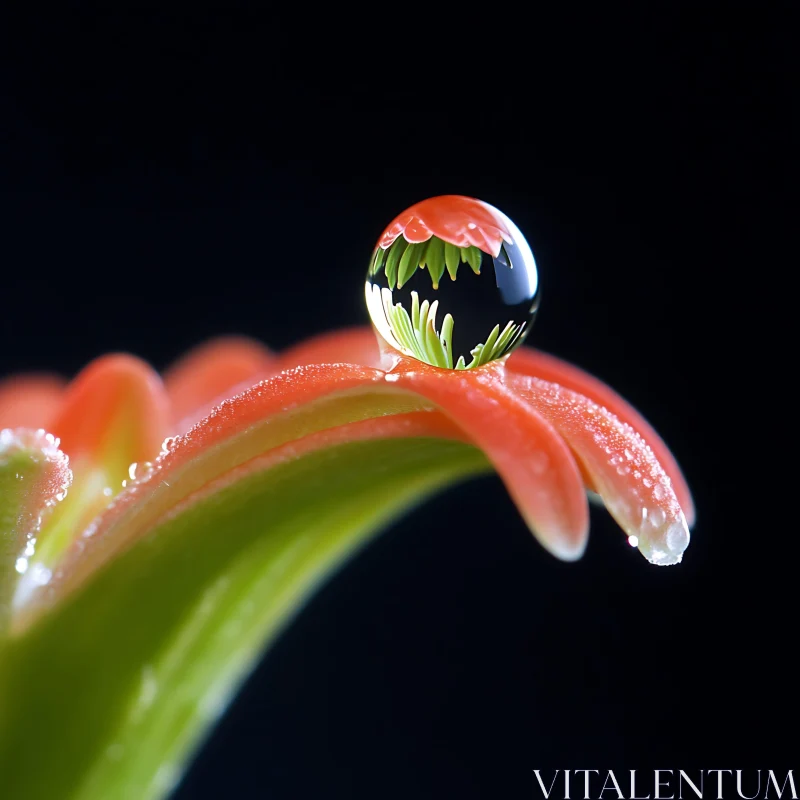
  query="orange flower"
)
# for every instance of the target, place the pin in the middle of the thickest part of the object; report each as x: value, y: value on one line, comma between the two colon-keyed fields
x: 139, y: 446
x: 462, y: 221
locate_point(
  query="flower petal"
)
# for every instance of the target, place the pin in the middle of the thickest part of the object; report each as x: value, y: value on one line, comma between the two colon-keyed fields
x: 150, y: 652
x: 532, y: 459
x: 29, y: 401
x: 113, y: 417
x: 526, y: 361
x: 209, y: 372
x: 115, y: 412
x: 275, y: 413
x: 623, y: 469
x: 460, y: 220
x: 357, y: 345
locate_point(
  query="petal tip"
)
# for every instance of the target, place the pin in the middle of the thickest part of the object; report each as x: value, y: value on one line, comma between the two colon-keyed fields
x: 563, y: 545
x: 667, y: 547
x: 568, y: 552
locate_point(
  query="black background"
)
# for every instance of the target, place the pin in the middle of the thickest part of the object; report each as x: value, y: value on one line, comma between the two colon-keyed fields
x: 168, y: 177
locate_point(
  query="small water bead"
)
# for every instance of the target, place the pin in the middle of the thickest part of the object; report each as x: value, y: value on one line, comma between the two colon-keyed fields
x: 452, y: 282
x: 168, y: 444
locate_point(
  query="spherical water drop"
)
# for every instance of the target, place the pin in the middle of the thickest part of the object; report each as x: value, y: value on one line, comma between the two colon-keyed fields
x: 452, y: 282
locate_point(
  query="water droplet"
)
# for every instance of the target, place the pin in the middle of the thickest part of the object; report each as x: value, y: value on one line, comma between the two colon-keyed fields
x: 677, y: 537
x: 40, y: 575
x: 21, y: 565
x: 168, y: 445
x: 108, y: 491
x: 132, y: 471
x: 661, y: 543
x: 452, y: 282
x: 633, y: 541
x: 658, y: 557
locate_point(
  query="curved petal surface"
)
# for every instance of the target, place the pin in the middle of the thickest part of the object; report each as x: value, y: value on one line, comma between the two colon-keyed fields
x: 112, y: 419
x: 536, y: 364
x: 624, y: 469
x: 530, y: 456
x: 359, y: 345
x: 209, y: 372
x: 29, y: 401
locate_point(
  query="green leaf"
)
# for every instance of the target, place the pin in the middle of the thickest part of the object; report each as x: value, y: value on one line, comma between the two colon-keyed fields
x: 433, y: 344
x: 474, y: 256
x: 377, y: 262
x: 409, y: 263
x: 434, y: 257
x: 452, y: 257
x: 109, y: 693
x: 505, y: 338
x: 447, y: 339
x: 396, y: 251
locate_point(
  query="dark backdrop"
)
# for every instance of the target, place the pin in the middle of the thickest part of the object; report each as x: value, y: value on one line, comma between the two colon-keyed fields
x: 165, y: 178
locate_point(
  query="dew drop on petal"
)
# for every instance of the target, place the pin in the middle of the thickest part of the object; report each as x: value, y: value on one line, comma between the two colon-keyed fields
x: 168, y: 444
x: 661, y: 543
x: 465, y: 295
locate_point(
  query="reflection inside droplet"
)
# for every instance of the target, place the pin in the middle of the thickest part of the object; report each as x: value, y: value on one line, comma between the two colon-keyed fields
x: 454, y: 305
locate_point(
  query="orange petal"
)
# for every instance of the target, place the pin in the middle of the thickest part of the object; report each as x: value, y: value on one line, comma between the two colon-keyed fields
x: 460, y: 220
x: 29, y: 401
x: 209, y: 373
x: 549, y: 368
x: 623, y: 469
x: 346, y: 346
x: 237, y: 431
x: 114, y: 412
x: 536, y: 465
